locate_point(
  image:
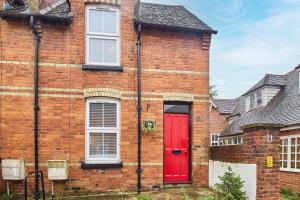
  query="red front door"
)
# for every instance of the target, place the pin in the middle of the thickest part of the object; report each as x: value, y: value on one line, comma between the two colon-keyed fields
x: 176, y: 148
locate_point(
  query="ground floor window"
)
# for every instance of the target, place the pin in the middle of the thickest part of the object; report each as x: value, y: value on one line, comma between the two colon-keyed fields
x: 290, y: 153
x: 234, y: 140
x: 214, y: 139
x: 102, y: 131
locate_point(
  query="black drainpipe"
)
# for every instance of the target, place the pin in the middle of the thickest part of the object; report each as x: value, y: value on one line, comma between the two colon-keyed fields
x: 139, y: 107
x: 36, y: 106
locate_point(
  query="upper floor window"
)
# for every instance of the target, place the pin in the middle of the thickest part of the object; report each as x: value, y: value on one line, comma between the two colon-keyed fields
x: 102, y: 131
x: 256, y: 99
x: 290, y: 153
x: 214, y: 139
x: 102, y: 36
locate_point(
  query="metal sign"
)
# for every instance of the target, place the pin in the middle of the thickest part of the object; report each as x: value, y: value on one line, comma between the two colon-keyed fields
x: 270, y: 161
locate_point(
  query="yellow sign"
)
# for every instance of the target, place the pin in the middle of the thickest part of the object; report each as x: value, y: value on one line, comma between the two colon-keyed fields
x: 270, y: 161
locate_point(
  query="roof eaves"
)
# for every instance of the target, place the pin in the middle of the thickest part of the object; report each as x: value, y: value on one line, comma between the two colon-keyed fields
x: 174, y: 27
x: 67, y: 18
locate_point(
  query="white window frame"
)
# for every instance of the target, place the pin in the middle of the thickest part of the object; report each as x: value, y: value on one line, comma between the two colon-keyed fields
x: 288, y: 168
x: 256, y: 99
x: 214, y: 142
x: 99, y: 35
x: 230, y: 140
x: 89, y: 129
x: 261, y: 98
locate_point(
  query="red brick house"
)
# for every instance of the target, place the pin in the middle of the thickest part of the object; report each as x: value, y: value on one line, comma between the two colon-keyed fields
x: 98, y: 73
x: 271, y: 106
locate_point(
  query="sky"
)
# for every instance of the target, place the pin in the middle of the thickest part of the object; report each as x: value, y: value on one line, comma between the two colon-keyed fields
x: 255, y: 37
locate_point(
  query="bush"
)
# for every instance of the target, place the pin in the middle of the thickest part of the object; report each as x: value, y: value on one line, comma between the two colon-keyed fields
x: 231, y: 186
x: 287, y: 194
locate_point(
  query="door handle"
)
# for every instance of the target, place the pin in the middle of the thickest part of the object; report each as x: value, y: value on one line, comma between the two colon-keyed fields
x: 176, y: 151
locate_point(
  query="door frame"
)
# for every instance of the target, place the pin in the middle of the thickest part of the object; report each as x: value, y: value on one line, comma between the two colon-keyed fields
x: 178, y: 103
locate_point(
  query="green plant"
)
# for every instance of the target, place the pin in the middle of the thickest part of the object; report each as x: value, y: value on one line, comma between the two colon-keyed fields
x: 231, y: 187
x: 143, y: 197
x: 287, y: 194
x: 208, y: 198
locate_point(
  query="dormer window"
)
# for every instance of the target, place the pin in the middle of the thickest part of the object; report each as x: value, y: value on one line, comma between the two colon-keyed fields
x: 256, y: 100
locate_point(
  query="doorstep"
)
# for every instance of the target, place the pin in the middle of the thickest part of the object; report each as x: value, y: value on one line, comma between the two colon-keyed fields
x: 177, y: 185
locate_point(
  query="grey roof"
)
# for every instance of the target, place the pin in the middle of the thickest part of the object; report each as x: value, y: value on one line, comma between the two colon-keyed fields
x: 283, y: 109
x: 59, y: 11
x: 268, y: 80
x: 225, y: 106
x: 169, y: 16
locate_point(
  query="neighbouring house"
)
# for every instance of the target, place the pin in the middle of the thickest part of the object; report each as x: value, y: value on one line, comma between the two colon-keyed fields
x: 262, y: 128
x: 76, y: 76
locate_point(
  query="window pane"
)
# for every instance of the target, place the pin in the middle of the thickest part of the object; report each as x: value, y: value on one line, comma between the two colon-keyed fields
x: 293, y: 149
x: 103, y: 50
x: 285, y: 149
x: 96, y: 50
x: 96, y: 21
x: 259, y: 102
x: 110, y: 51
x: 103, y: 115
x: 96, y: 144
x: 96, y: 115
x: 259, y: 94
x: 293, y: 157
x: 252, y: 101
x: 285, y: 164
x: 110, y: 145
x: 293, y: 165
x: 293, y: 141
x: 103, y: 145
x: 109, y: 22
x: 298, y: 165
x: 101, y: 21
x: 285, y: 141
x: 110, y: 115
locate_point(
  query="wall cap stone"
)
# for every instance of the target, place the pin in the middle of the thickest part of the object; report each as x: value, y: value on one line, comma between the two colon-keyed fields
x: 262, y: 125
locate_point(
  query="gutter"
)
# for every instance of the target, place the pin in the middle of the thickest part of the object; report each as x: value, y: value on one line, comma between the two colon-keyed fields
x: 139, y: 107
x: 65, y: 19
x: 33, y: 21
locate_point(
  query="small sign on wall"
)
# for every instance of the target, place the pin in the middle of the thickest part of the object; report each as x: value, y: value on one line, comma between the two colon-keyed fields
x: 270, y: 161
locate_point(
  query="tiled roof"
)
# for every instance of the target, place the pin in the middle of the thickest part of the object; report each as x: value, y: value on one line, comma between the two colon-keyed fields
x: 58, y: 11
x: 169, y: 16
x: 283, y: 109
x: 268, y: 80
x: 225, y: 106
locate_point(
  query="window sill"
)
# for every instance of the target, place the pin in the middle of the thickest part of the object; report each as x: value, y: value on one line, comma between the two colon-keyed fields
x: 101, y: 166
x: 290, y: 170
x: 103, y: 68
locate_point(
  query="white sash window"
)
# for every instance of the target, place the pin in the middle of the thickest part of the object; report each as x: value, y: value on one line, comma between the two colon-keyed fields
x: 102, y: 36
x: 102, y: 131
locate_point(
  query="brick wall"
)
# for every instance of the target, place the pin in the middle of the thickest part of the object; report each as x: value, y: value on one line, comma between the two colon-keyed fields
x: 217, y: 122
x: 290, y: 180
x: 174, y: 65
x: 255, y: 150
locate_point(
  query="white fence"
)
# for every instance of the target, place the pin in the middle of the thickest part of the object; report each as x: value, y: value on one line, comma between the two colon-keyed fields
x: 247, y: 173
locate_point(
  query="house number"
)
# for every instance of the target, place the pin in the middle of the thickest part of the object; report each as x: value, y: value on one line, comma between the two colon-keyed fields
x: 269, y: 138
